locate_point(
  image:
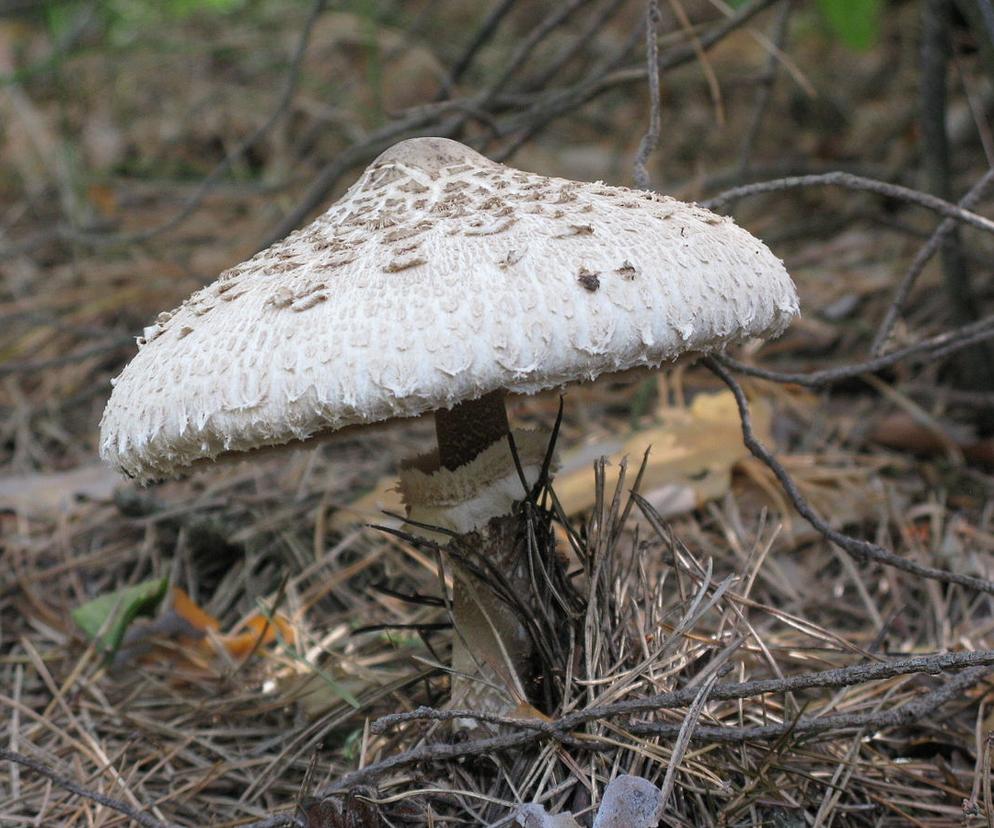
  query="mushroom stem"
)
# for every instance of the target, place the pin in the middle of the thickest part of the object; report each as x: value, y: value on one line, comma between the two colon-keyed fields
x: 472, y: 492
x: 468, y: 428
x: 492, y: 649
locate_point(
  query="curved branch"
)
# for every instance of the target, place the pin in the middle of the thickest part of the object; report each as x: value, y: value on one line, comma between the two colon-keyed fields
x: 852, y: 182
x: 533, y: 730
x: 859, y: 549
x: 929, y: 350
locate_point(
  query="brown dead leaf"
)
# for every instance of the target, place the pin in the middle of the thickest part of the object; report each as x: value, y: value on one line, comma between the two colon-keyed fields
x: 902, y: 432
x: 691, y: 456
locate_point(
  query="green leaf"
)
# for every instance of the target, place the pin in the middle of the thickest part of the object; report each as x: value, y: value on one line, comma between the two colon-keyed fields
x: 856, y: 22
x: 186, y: 7
x: 105, y: 619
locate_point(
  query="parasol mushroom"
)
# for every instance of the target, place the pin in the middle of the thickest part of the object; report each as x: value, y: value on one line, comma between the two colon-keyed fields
x: 440, y: 282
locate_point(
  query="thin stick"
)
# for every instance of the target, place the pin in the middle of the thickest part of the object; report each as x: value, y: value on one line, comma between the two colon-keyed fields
x: 907, y: 714
x: 531, y: 730
x: 852, y: 182
x: 976, y: 194
x: 651, y: 137
x: 483, y: 34
x: 64, y: 782
x: 860, y: 549
x: 930, y: 350
x: 550, y: 105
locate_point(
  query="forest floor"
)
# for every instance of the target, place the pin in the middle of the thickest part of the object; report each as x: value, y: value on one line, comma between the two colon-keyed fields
x: 279, y: 631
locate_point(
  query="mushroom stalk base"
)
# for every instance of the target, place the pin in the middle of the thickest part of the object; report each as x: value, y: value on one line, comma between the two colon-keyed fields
x: 491, y: 651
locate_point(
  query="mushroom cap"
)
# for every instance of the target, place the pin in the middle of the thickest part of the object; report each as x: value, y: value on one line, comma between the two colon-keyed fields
x: 438, y: 277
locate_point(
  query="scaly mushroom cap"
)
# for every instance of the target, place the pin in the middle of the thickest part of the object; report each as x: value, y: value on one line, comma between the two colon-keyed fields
x: 438, y: 277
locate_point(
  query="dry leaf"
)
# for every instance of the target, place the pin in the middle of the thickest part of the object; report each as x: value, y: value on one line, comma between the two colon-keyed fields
x: 691, y: 457
x: 902, y: 432
x: 179, y: 635
x: 48, y: 494
x: 260, y: 631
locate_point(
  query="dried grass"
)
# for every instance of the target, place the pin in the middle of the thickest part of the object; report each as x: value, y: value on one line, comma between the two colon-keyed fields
x: 651, y: 613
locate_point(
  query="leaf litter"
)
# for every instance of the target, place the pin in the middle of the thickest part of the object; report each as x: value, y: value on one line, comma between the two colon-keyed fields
x: 197, y: 725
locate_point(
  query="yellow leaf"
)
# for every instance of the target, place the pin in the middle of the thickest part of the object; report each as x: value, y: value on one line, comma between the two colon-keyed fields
x: 692, y: 453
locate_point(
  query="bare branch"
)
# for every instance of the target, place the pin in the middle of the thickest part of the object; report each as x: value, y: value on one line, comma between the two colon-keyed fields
x: 859, y: 549
x: 907, y: 714
x: 551, y: 105
x: 531, y: 730
x: 852, y: 182
x: 928, y: 350
x: 651, y: 137
x: 68, y: 784
x: 594, y: 27
x: 976, y: 194
x: 483, y: 34
x: 559, y: 15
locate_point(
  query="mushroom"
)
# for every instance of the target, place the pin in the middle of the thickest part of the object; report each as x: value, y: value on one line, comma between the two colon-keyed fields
x: 438, y: 283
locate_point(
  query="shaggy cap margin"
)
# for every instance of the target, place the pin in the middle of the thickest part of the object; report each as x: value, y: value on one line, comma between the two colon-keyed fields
x: 438, y: 277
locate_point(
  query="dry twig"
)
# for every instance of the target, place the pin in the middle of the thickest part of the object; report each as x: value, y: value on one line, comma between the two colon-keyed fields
x: 859, y: 549
x: 531, y: 730
x: 852, y: 182
x: 651, y: 137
